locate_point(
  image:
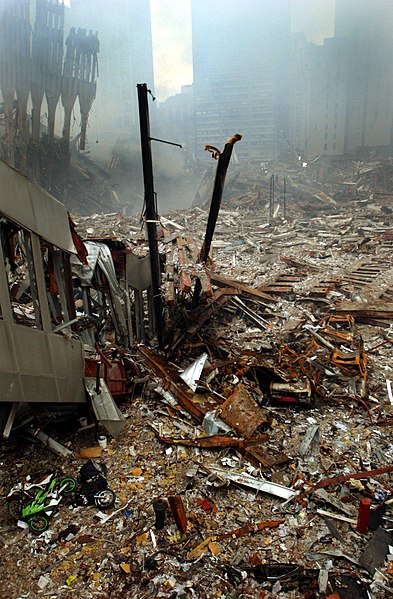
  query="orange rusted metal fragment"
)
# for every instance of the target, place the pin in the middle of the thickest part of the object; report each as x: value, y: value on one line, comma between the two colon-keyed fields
x: 223, y: 281
x: 242, y: 413
x: 356, y: 475
x: 376, y: 309
x: 206, y: 284
x: 216, y: 442
x: 185, y: 279
x: 250, y: 528
x: 178, y: 511
x: 185, y: 282
x: 259, y: 458
x: 174, y: 383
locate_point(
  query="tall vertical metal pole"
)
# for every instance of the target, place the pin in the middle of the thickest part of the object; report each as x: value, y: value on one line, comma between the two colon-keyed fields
x: 150, y: 208
x: 285, y: 198
x: 271, y: 199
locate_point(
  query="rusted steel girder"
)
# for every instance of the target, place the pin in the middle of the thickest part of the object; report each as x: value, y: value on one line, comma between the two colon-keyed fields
x: 179, y: 513
x: 337, y: 480
x: 172, y: 381
x: 216, y: 442
x: 222, y: 167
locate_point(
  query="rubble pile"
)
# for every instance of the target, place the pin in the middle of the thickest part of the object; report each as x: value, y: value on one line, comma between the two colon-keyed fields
x: 256, y: 455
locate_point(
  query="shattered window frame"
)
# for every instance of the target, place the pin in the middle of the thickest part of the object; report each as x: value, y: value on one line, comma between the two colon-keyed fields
x: 48, y: 296
x: 18, y: 266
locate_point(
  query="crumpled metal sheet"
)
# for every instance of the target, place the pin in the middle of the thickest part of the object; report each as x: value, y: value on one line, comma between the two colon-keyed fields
x: 192, y: 373
x: 241, y: 412
x: 254, y: 483
x: 85, y: 273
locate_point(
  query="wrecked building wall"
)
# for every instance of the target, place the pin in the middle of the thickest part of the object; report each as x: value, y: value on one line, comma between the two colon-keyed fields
x: 37, y: 365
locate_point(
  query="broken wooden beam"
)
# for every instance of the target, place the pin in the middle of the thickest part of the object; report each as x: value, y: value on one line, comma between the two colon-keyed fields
x: 224, y: 282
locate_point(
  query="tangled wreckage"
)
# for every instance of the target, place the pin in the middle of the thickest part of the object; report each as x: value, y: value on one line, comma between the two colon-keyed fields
x: 248, y: 410
x: 43, y: 327
x: 195, y: 404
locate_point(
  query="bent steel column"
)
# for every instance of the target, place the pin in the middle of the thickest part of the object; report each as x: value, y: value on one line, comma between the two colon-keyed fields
x: 222, y: 167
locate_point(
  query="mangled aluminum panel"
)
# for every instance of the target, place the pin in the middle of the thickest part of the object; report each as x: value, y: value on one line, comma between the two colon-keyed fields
x: 41, y: 368
x: 86, y: 271
x: 29, y: 205
x: 265, y: 486
x: 192, y: 373
x: 100, y: 255
x: 105, y: 409
x: 138, y: 271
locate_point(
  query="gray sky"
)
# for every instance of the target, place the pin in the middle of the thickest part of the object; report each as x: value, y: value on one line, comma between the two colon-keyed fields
x: 171, y: 29
x: 315, y: 18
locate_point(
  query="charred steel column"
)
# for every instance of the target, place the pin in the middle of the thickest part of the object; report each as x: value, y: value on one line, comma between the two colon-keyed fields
x: 150, y: 208
x: 222, y: 167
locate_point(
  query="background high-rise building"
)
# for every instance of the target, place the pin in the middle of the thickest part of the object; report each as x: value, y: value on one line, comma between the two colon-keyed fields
x: 285, y: 94
x: 280, y: 91
x: 298, y: 95
x: 363, y: 18
x: 328, y: 98
x: 351, y: 83
x: 240, y: 84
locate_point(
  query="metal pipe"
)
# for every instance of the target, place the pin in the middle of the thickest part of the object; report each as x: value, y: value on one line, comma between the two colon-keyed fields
x: 150, y: 208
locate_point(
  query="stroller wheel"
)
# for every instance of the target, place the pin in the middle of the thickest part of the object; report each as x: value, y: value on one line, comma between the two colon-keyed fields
x: 68, y: 484
x: 15, y: 508
x: 38, y: 524
x: 105, y: 499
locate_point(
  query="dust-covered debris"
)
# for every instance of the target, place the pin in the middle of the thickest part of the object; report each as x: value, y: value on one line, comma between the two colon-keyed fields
x: 212, y: 500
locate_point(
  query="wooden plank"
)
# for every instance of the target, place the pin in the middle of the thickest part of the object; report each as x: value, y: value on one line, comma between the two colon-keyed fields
x: 366, y: 310
x: 223, y: 281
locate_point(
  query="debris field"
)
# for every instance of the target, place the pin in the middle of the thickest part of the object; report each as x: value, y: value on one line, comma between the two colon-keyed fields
x: 255, y: 458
